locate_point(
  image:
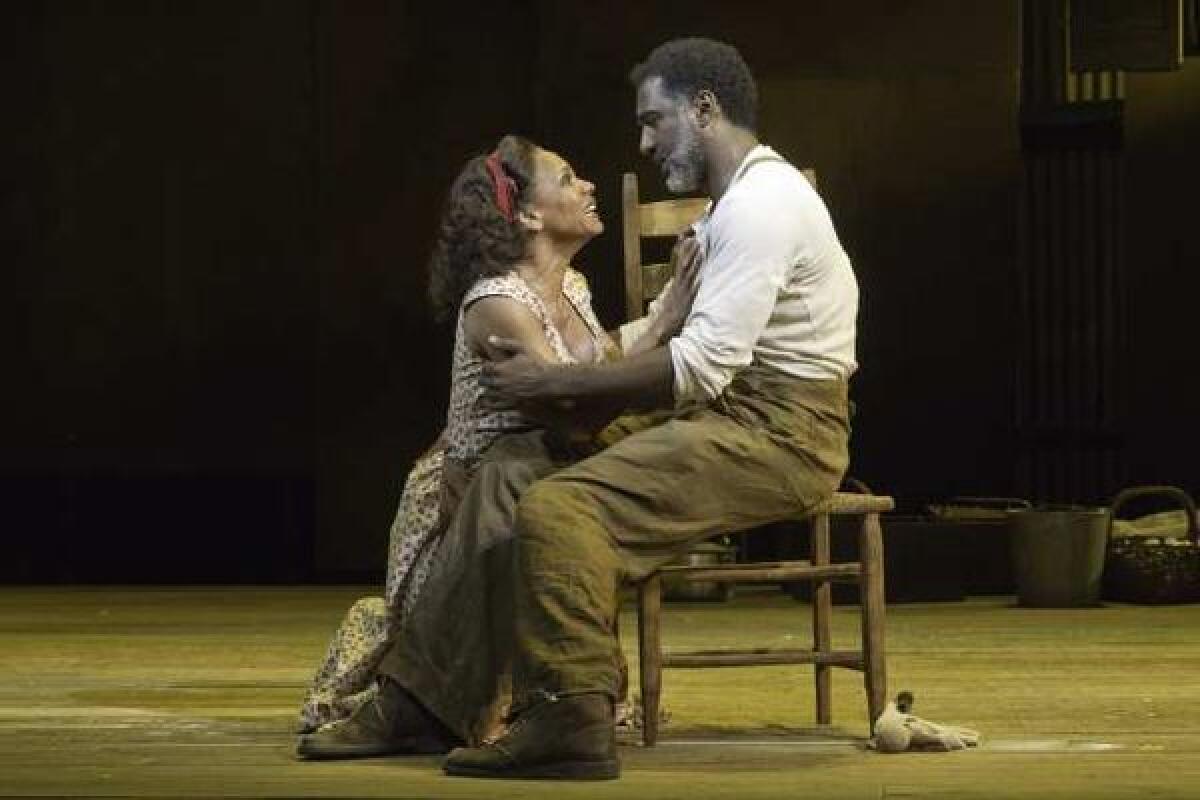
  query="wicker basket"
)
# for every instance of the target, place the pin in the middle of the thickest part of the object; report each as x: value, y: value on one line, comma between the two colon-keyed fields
x: 1154, y: 569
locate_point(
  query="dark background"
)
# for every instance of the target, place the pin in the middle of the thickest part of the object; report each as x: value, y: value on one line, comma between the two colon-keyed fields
x: 215, y: 217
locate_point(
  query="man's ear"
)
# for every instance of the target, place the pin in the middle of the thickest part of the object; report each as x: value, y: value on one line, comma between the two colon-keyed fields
x: 530, y: 220
x: 706, y: 107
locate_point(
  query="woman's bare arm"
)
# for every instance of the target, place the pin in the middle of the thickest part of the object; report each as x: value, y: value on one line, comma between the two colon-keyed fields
x: 506, y: 318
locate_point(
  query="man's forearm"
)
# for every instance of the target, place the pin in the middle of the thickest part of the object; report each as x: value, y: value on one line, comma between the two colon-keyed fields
x: 645, y: 379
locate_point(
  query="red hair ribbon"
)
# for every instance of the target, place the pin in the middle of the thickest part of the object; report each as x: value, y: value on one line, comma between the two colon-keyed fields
x: 505, y: 187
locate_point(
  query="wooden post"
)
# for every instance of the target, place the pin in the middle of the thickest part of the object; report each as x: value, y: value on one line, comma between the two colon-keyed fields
x: 870, y: 549
x: 822, y: 610
x: 650, y: 654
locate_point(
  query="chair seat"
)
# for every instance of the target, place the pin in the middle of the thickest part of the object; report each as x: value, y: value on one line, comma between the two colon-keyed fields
x: 851, y: 503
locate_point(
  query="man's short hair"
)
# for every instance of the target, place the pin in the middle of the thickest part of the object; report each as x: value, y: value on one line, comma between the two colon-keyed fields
x: 688, y: 65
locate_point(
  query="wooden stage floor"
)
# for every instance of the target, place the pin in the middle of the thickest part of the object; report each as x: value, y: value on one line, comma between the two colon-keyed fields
x: 192, y: 693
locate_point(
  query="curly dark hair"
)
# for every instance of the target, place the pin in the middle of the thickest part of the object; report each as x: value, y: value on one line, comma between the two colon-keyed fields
x: 474, y: 239
x: 688, y: 65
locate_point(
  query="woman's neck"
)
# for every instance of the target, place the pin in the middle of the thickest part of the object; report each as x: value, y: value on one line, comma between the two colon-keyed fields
x: 545, y: 268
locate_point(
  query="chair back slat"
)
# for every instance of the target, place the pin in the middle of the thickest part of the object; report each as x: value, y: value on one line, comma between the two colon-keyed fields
x: 670, y: 217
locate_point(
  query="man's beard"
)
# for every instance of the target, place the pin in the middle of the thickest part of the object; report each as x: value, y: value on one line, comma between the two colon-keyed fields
x: 685, y: 166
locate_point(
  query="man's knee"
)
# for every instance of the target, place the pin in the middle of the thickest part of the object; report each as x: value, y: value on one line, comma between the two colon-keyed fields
x: 562, y: 542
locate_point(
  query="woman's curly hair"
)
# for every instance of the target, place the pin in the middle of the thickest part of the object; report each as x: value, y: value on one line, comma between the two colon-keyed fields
x: 474, y: 239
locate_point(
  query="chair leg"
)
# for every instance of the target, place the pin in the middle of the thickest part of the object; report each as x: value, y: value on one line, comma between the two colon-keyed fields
x: 650, y: 654
x: 822, y: 611
x: 873, y: 610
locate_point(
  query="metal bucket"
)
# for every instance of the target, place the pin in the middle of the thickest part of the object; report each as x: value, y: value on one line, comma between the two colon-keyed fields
x: 1058, y: 555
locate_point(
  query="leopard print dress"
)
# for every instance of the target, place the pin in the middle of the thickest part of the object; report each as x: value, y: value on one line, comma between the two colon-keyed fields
x: 346, y: 677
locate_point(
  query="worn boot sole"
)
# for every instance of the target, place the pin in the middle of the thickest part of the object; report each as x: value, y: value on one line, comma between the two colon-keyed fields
x: 560, y: 770
x: 309, y: 749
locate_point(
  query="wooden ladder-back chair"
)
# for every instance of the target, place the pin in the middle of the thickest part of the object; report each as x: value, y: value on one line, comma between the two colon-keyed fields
x: 668, y: 218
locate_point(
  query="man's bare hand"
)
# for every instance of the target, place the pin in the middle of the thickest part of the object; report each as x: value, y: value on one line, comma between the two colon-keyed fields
x: 514, y: 379
x: 685, y: 259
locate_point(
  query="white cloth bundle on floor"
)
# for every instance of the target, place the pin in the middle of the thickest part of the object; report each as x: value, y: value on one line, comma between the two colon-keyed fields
x: 897, y: 731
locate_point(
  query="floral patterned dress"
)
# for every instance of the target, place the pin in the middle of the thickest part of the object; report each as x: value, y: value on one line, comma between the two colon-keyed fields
x: 346, y: 677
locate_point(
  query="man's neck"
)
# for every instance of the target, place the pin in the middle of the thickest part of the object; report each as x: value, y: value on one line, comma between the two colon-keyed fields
x: 725, y: 154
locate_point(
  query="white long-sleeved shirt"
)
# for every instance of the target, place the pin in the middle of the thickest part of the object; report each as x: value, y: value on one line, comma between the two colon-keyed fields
x: 776, y: 287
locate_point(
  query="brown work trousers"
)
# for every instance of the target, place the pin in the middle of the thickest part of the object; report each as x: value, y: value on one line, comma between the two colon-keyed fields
x: 532, y: 562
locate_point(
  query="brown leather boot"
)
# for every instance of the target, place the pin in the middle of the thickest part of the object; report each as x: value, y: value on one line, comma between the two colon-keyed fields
x: 391, y: 723
x: 567, y: 737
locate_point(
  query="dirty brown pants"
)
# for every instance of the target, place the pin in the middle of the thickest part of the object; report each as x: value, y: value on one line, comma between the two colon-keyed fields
x: 545, y: 593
